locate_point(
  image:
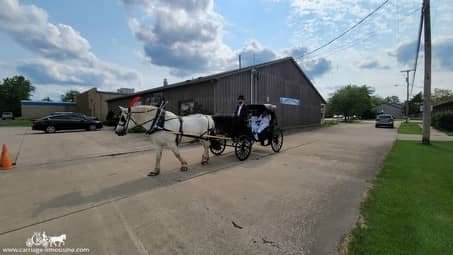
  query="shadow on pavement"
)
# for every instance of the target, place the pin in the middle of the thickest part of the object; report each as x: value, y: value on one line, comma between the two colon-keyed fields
x: 141, y: 185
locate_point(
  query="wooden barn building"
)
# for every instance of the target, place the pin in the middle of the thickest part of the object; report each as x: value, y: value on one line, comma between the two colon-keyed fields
x: 281, y: 82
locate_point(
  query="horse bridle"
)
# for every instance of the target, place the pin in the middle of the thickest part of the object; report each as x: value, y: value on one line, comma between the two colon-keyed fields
x: 129, y: 118
x: 154, y: 120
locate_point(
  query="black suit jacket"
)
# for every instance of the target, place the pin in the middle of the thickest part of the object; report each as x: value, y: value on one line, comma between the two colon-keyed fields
x: 243, y: 113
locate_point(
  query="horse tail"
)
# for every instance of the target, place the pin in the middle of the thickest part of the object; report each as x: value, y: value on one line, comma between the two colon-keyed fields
x: 211, y: 123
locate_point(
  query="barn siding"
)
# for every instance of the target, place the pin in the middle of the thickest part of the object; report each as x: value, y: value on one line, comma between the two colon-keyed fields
x: 202, y: 94
x: 285, y: 80
x: 227, y: 90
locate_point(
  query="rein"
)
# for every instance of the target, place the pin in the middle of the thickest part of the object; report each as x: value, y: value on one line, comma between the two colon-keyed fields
x: 157, y: 120
x: 129, y: 118
x: 160, y: 112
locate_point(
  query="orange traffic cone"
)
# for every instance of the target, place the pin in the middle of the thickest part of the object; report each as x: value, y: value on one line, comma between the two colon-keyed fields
x: 5, y: 159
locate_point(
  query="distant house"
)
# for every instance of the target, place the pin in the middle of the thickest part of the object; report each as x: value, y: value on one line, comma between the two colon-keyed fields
x: 443, y: 107
x: 93, y: 102
x: 125, y: 90
x: 394, y: 109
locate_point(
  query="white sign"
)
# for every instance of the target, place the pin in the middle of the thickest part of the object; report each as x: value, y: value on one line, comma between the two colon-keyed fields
x: 40, y: 242
x: 290, y: 101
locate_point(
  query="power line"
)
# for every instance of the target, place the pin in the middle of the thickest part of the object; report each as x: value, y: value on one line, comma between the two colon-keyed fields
x: 346, y: 46
x: 347, y: 31
x: 356, y: 42
x: 418, y: 48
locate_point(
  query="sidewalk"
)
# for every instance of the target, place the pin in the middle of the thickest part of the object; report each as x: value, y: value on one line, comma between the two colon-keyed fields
x: 436, y: 135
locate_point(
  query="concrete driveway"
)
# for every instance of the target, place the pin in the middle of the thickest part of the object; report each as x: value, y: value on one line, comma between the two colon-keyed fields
x: 87, y: 186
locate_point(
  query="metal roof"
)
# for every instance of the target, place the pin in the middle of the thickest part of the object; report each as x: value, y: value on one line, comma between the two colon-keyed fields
x: 218, y: 76
x: 30, y: 102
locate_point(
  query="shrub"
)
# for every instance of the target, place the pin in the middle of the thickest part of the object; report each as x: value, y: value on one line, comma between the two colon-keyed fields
x: 137, y: 129
x: 443, y: 120
x: 111, y: 119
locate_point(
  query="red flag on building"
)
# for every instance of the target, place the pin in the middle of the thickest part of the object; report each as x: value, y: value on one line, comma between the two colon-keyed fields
x: 137, y: 100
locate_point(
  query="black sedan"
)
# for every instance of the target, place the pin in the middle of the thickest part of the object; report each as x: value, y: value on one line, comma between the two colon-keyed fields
x: 52, y: 123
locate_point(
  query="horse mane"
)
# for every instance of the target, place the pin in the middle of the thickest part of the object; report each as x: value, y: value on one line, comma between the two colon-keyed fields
x: 143, y: 108
x: 147, y: 108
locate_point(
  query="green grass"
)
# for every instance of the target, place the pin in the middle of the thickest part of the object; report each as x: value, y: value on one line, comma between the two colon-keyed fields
x: 410, y: 208
x: 411, y: 128
x: 328, y: 123
x: 16, y: 123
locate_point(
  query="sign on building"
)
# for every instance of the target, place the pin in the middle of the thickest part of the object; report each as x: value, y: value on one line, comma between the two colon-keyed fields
x: 290, y: 101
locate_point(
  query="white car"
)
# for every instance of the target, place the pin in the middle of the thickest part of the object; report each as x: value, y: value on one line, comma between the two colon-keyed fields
x: 338, y: 117
x: 7, y: 115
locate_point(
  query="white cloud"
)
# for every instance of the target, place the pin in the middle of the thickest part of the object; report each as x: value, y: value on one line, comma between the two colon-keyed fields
x: 52, y: 72
x: 66, y: 56
x: 254, y: 53
x: 373, y: 64
x: 442, y: 53
x: 29, y: 26
x: 185, y: 36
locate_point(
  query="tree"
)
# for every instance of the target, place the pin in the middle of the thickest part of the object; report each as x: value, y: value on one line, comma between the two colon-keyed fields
x: 371, y: 112
x: 70, y: 96
x: 46, y: 99
x: 441, y: 95
x: 12, y: 91
x: 414, y: 104
x: 351, y: 100
x: 392, y: 100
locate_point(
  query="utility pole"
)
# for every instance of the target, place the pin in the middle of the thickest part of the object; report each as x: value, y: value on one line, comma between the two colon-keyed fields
x: 407, y: 94
x: 427, y: 83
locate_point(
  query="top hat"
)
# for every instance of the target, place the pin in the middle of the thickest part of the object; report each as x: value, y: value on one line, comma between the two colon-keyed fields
x: 241, y: 97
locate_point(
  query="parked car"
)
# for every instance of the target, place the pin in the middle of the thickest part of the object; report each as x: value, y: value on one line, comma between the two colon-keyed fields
x: 7, y: 115
x: 384, y: 120
x: 52, y: 123
x: 338, y: 117
x: 74, y: 113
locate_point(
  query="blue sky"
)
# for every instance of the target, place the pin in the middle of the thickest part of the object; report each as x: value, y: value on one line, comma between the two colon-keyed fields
x: 63, y: 45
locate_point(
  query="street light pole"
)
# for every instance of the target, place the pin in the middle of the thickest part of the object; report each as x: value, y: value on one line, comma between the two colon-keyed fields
x: 407, y: 94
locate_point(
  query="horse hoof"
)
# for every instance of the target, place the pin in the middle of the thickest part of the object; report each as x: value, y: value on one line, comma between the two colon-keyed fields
x: 153, y: 173
x: 184, y: 168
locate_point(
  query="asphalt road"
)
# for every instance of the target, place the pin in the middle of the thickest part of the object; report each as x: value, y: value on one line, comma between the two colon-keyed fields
x: 88, y: 186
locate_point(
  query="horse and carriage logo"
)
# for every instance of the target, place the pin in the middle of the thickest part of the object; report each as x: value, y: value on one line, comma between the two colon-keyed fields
x: 41, y: 239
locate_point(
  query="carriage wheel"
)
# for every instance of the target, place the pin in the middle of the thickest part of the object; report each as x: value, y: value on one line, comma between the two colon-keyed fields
x: 243, y: 148
x: 277, y: 140
x: 217, y: 146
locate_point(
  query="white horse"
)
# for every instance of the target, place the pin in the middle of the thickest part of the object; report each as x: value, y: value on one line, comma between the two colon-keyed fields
x: 195, y: 125
x: 57, y: 240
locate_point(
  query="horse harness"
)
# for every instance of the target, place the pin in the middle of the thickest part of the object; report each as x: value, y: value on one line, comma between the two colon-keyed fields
x: 158, y: 124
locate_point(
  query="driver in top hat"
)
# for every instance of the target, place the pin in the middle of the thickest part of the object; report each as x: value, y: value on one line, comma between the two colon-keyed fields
x: 240, y: 116
x: 241, y: 111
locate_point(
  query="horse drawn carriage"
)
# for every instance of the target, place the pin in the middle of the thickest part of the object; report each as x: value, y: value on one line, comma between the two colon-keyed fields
x: 167, y: 130
x: 260, y: 126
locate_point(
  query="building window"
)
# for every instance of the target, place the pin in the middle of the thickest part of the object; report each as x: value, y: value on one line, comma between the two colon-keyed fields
x: 155, y: 100
x: 186, y: 107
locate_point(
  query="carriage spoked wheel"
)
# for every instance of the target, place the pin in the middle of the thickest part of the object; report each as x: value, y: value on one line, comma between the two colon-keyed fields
x: 277, y: 140
x: 217, y: 146
x: 243, y: 148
